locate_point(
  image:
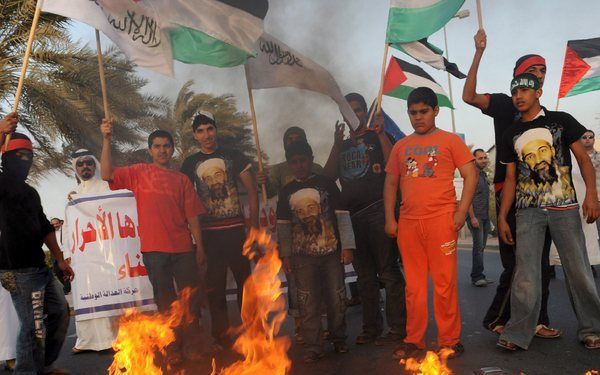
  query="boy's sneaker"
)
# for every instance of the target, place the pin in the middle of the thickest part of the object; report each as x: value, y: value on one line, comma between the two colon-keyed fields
x: 456, y: 350
x: 340, y: 347
x: 365, y: 338
x: 390, y: 338
x: 312, y: 357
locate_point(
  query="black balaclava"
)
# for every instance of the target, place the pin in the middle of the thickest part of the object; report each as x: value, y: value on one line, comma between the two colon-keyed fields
x: 13, y: 166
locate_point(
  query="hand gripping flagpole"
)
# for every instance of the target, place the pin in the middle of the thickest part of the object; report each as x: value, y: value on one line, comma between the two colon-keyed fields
x: 34, y: 23
x: 256, y: 140
x: 102, y: 76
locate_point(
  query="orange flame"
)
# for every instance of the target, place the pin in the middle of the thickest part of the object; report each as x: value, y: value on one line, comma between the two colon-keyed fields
x: 430, y: 365
x: 593, y: 372
x: 263, y: 312
x: 142, y: 336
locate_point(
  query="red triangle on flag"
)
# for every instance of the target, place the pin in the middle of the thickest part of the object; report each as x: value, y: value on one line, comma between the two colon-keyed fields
x: 394, y: 76
x: 574, y: 68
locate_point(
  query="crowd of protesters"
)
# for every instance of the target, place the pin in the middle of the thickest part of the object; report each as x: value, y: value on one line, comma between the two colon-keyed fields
x: 388, y: 209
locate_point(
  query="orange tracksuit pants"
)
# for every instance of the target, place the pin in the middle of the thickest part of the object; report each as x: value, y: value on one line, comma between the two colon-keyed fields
x: 428, y: 247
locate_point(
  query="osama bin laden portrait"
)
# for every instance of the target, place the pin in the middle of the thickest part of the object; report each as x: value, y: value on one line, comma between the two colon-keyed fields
x: 221, y: 200
x: 314, y: 232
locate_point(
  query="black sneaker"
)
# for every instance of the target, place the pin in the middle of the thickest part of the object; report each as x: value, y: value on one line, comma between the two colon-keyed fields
x: 312, y: 357
x: 365, y: 338
x: 390, y: 338
x: 456, y: 351
x: 340, y: 347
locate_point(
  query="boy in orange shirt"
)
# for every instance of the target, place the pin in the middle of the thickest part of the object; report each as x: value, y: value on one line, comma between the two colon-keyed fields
x: 423, y: 165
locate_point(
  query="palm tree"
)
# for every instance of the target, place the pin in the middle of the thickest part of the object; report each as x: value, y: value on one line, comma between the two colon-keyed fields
x: 61, y: 105
x: 233, y: 126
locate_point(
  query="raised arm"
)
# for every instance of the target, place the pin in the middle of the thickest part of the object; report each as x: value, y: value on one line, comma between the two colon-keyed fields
x: 106, y: 169
x: 384, y: 140
x: 331, y: 166
x: 470, y: 95
x: 590, y: 206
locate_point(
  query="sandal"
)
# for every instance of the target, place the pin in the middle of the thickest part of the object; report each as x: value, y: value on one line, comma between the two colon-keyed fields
x: 506, y: 345
x: 591, y: 342
x: 451, y: 351
x: 498, y: 329
x: 406, y: 350
x: 544, y: 332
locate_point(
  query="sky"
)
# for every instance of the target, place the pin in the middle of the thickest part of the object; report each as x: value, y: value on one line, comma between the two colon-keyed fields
x: 347, y: 37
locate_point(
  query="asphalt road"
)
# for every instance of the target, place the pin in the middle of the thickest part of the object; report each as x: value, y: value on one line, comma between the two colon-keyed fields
x: 564, y: 356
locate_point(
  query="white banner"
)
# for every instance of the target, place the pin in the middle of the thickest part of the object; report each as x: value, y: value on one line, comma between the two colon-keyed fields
x: 102, y: 240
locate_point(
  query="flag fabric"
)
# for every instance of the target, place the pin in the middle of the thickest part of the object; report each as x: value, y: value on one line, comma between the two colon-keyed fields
x: 401, y: 78
x: 422, y: 50
x: 412, y: 20
x: 131, y: 26
x: 212, y: 32
x: 581, y: 69
x: 152, y: 33
x: 278, y: 65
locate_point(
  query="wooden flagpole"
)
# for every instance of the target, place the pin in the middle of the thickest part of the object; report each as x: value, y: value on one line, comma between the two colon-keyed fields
x: 557, y: 103
x: 34, y: 23
x: 102, y: 76
x: 256, y: 140
x: 383, y: 65
x: 479, y: 16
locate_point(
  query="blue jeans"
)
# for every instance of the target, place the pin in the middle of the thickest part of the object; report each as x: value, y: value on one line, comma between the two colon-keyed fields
x: 480, y: 236
x: 320, y: 278
x: 526, y: 294
x: 43, y: 315
x: 376, y: 260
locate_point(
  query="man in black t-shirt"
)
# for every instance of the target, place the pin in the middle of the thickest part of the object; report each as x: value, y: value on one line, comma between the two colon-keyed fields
x: 36, y: 294
x: 316, y: 239
x: 359, y: 163
x: 215, y: 172
x: 501, y: 109
x: 537, y: 153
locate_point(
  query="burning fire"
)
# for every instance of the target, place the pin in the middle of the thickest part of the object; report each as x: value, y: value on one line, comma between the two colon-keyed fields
x: 430, y: 365
x: 263, y: 312
x: 142, y: 337
x: 593, y: 372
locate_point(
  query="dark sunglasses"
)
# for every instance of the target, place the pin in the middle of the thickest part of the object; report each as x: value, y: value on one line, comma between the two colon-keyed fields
x: 89, y: 163
x: 587, y: 137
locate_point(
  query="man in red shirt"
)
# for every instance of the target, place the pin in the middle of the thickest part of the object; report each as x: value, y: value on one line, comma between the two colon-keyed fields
x: 168, y: 210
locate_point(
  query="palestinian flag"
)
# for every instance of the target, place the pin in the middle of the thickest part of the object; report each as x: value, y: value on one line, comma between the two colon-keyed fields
x: 581, y: 70
x: 423, y: 51
x: 220, y: 33
x: 411, y: 20
x: 401, y: 78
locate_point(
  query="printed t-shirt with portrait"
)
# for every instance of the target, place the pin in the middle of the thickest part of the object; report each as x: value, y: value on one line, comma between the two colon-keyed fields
x: 215, y: 177
x: 541, y: 149
x: 310, y: 208
x: 425, y: 165
x: 165, y: 200
x: 361, y: 170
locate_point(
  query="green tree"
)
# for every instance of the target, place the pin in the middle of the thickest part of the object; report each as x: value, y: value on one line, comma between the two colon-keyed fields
x: 234, y: 127
x: 61, y: 105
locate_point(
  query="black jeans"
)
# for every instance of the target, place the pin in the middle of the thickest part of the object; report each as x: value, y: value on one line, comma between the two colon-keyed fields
x: 223, y: 250
x: 499, y: 311
x: 163, y: 270
x: 320, y: 279
x: 376, y: 260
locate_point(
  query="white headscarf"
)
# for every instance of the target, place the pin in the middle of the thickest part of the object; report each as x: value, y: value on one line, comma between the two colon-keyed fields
x: 94, y: 184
